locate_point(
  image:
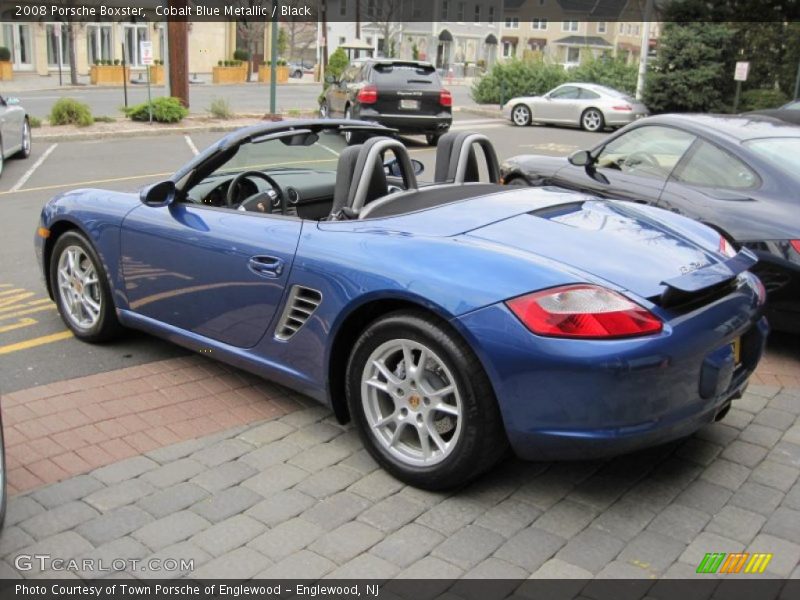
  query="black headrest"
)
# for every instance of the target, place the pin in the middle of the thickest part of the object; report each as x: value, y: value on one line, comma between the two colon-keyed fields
x: 345, y: 171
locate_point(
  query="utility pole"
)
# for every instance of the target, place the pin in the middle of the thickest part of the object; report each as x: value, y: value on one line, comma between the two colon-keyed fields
x: 273, y: 63
x: 644, y: 50
x: 178, y: 57
x: 797, y: 83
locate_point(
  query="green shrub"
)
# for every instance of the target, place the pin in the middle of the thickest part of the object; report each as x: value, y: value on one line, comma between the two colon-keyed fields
x: 758, y: 99
x: 219, y: 63
x: 166, y: 109
x: 68, y: 111
x: 282, y: 62
x: 104, y: 119
x: 240, y: 54
x: 117, y: 62
x: 220, y: 109
x: 34, y: 121
x: 517, y: 78
x: 612, y: 72
x: 5, y: 54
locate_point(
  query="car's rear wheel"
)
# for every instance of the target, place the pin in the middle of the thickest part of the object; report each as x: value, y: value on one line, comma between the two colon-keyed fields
x: 81, y: 289
x: 518, y: 181
x: 432, y: 138
x: 592, y: 120
x: 423, y: 404
x: 521, y: 115
x: 323, y: 110
x: 25, y: 151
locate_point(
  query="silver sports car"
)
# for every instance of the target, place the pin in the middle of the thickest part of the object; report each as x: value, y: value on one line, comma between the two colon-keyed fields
x: 593, y: 107
x: 15, y: 130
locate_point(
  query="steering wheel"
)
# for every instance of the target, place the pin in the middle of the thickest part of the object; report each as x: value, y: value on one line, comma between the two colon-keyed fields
x: 635, y: 159
x: 259, y: 202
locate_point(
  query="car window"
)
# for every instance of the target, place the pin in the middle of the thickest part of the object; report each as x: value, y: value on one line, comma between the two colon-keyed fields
x: 588, y: 94
x: 711, y: 166
x: 568, y: 92
x: 792, y: 106
x: 650, y: 151
x: 783, y: 153
x: 402, y: 74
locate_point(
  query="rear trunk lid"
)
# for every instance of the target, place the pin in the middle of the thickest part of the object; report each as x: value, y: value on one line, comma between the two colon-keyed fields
x: 407, y: 88
x: 612, y: 241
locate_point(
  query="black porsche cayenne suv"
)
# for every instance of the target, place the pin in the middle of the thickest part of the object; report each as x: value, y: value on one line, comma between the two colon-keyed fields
x: 401, y: 94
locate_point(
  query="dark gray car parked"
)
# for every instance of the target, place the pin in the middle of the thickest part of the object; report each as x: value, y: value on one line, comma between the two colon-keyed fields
x: 738, y: 174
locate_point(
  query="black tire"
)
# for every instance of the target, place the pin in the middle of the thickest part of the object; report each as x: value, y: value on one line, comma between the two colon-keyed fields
x: 518, y: 181
x: 521, y: 115
x: 592, y: 120
x: 352, y: 138
x: 432, y: 138
x: 481, y: 440
x: 107, y: 326
x: 25, y: 152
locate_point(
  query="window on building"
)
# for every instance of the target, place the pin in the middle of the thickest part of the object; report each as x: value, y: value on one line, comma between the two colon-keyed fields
x: 621, y: 27
x: 445, y: 10
x: 512, y: 22
x: 135, y: 33
x: 369, y: 40
x: 98, y: 43
x: 343, y: 7
x: 628, y: 29
x: 342, y: 40
x: 56, y: 34
x: 573, y: 54
x: 477, y: 13
x: 462, y: 8
x: 637, y: 30
x: 539, y: 24
x: 490, y: 18
x: 569, y: 26
x: 601, y: 27
x: 509, y: 50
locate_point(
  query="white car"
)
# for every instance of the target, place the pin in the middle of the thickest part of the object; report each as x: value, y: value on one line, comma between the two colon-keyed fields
x: 587, y: 105
x: 15, y: 130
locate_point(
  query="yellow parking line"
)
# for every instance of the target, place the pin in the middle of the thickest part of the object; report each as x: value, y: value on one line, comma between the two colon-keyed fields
x: 32, y: 343
x: 26, y: 322
x: 30, y: 303
x: 27, y: 311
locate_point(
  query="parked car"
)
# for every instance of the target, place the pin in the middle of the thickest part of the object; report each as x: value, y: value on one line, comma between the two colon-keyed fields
x: 447, y: 321
x: 789, y: 112
x: 740, y: 175
x: 298, y: 69
x: 405, y: 95
x: 587, y: 105
x: 15, y: 130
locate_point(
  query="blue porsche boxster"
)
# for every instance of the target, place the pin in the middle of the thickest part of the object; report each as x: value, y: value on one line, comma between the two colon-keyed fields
x: 447, y: 320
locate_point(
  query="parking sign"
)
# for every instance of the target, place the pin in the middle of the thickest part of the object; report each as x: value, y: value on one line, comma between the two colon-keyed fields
x: 146, y: 53
x: 742, y: 68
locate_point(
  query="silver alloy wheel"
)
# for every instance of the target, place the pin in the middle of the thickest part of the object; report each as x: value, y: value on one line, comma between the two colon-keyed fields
x: 521, y: 115
x: 26, y: 138
x: 592, y: 120
x: 323, y: 110
x: 411, y: 402
x: 79, y: 288
x: 348, y: 135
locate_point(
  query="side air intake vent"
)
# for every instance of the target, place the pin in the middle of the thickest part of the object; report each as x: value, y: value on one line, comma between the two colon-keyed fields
x: 300, y: 305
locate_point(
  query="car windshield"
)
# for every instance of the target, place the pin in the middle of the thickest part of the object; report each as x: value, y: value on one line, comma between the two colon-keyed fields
x: 286, y: 153
x: 783, y: 152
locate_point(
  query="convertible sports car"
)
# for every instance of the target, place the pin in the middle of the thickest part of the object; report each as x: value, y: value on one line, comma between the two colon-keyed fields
x: 15, y: 130
x: 447, y: 321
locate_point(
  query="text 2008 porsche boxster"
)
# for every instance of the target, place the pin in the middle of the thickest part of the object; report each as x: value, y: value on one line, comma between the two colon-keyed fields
x: 447, y: 320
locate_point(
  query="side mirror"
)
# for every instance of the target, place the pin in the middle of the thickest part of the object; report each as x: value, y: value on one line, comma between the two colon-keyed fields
x: 392, y: 167
x: 330, y: 79
x: 418, y: 166
x: 12, y: 101
x: 581, y: 158
x: 158, y: 194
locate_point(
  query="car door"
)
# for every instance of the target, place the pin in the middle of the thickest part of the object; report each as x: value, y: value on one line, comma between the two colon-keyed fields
x: 632, y: 166
x: 7, y: 126
x: 215, y: 272
x: 559, y: 105
x: 706, y: 181
x: 341, y: 93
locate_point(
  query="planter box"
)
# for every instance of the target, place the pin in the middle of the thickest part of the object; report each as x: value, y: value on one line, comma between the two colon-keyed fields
x: 230, y: 74
x: 6, y: 73
x: 109, y: 74
x: 281, y: 74
x: 156, y: 74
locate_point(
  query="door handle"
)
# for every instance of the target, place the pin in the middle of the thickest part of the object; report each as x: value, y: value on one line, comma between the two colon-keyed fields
x: 268, y: 266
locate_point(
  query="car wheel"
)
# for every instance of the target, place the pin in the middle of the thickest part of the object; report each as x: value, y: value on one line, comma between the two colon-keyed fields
x: 432, y: 138
x: 592, y: 120
x: 351, y: 137
x: 323, y: 110
x: 424, y: 407
x: 521, y: 115
x: 25, y: 152
x: 81, y: 289
x: 519, y: 181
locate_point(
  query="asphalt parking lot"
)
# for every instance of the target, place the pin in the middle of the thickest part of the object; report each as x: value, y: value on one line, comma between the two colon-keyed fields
x: 136, y: 450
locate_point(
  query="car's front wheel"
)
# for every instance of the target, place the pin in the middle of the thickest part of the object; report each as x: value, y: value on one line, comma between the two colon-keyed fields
x: 521, y: 115
x: 423, y: 404
x: 25, y: 150
x: 592, y: 120
x: 81, y: 289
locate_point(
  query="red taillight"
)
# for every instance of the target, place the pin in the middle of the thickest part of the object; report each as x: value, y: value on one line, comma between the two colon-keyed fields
x: 583, y: 311
x: 726, y: 248
x: 367, y: 95
x: 445, y: 98
x: 796, y: 245
x: 623, y: 107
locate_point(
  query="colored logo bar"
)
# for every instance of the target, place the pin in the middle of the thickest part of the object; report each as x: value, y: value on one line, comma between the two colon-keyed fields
x: 735, y: 562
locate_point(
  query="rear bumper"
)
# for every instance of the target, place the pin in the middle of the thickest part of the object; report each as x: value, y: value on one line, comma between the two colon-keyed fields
x: 409, y: 123
x: 619, y: 118
x: 571, y: 399
x: 779, y: 270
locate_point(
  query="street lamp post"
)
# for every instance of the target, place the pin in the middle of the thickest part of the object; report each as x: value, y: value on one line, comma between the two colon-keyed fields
x: 644, y: 50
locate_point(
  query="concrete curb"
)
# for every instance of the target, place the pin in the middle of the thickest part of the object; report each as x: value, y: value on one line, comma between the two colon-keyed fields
x: 482, y: 111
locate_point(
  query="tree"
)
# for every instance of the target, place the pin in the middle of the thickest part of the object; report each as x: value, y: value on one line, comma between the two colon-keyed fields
x: 385, y: 16
x: 694, y: 68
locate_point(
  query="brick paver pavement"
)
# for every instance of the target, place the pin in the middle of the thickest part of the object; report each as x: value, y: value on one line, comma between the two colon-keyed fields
x: 295, y: 494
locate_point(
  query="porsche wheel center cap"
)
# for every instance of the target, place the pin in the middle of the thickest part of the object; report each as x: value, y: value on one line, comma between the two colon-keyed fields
x: 414, y: 402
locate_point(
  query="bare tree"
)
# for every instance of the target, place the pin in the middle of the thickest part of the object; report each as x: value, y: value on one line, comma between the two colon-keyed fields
x: 385, y: 16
